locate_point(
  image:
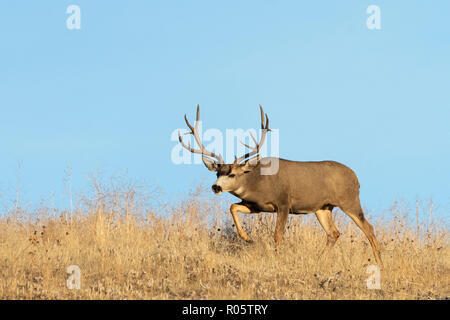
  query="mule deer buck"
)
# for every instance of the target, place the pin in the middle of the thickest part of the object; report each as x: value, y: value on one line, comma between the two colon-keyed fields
x: 296, y: 188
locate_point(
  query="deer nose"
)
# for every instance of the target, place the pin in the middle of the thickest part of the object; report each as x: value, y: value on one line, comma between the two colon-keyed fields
x: 216, y: 188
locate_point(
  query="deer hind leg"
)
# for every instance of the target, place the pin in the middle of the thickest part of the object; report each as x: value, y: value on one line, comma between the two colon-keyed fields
x: 357, y: 216
x: 326, y: 221
x: 234, y: 209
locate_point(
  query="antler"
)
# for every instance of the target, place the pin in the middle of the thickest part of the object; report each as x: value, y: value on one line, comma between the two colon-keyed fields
x: 194, y: 132
x: 255, y: 150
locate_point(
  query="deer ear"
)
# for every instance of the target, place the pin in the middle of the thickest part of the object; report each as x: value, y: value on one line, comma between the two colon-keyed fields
x: 210, y: 164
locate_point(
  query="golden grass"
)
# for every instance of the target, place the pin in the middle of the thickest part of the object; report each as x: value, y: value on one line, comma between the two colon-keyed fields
x: 126, y: 250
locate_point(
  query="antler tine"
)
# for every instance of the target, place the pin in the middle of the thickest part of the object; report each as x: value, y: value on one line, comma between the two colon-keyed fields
x: 196, y: 121
x: 188, y: 147
x: 194, y: 131
x: 264, y: 124
x: 254, y: 140
x: 189, y: 125
x: 264, y: 128
x: 262, y: 116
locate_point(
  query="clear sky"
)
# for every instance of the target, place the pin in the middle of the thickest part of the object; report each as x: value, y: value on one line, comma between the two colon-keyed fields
x: 109, y: 96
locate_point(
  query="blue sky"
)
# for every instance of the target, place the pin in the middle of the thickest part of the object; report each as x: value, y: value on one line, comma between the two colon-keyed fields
x: 109, y: 96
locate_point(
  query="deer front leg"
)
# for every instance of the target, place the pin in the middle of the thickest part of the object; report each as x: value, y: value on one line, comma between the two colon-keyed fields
x: 282, y: 216
x: 234, y: 209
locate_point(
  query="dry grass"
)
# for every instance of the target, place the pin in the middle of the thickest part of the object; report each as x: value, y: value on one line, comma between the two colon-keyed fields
x: 128, y: 250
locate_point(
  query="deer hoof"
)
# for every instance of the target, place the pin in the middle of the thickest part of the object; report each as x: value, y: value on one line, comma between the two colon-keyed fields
x: 245, y: 237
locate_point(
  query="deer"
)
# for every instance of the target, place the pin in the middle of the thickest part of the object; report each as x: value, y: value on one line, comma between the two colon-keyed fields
x: 296, y: 187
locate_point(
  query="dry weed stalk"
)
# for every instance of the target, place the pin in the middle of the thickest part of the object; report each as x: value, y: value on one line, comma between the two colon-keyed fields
x: 127, y: 249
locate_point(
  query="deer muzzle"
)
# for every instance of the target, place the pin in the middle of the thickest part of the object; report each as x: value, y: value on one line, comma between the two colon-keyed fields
x: 216, y: 189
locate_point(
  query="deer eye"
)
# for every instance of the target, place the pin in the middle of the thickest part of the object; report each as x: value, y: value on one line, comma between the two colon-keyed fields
x: 246, y: 171
x: 232, y: 175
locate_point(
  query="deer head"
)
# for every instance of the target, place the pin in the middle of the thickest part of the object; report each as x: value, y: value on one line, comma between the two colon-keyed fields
x: 230, y: 177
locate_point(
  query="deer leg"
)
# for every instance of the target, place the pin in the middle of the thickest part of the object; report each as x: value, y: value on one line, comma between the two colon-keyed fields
x: 357, y: 216
x: 282, y: 217
x: 326, y: 221
x: 234, y: 209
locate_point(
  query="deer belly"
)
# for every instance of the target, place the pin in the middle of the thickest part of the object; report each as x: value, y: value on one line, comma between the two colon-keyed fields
x: 299, y: 212
x: 266, y: 207
x: 259, y: 207
x: 303, y: 209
